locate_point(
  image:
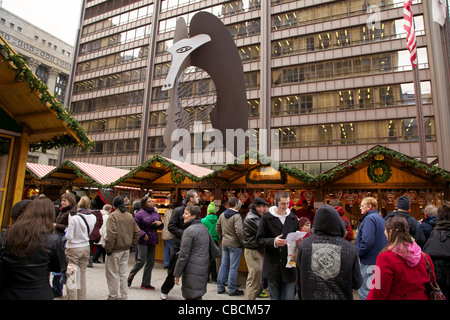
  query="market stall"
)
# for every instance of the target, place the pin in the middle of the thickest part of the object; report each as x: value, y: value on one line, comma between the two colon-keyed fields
x: 164, y: 179
x: 30, y: 119
x: 255, y: 175
x: 385, y: 174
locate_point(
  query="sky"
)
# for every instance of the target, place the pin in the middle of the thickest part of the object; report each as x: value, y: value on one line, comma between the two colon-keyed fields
x: 60, y: 18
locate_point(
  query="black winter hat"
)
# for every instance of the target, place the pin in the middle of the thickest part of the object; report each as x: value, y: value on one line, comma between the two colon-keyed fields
x: 403, y: 203
x: 258, y: 201
x: 118, y: 203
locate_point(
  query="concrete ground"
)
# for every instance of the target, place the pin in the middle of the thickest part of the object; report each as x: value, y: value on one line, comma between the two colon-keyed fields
x: 98, y: 290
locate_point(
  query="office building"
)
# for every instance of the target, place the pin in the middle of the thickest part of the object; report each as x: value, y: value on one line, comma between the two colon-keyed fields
x: 332, y: 77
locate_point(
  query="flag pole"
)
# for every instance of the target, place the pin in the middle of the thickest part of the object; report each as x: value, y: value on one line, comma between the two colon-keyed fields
x: 411, y: 44
x: 419, y: 114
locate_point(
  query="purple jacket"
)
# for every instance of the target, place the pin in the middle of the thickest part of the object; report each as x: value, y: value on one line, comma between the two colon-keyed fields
x: 144, y: 219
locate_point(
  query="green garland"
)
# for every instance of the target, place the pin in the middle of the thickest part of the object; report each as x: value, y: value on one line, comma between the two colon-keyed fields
x: 263, y: 159
x: 176, y: 177
x: 24, y: 73
x: 407, y: 162
x: 373, y: 174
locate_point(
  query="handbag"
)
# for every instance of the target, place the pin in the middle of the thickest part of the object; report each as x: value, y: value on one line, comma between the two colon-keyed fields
x: 434, y: 292
x: 214, y: 251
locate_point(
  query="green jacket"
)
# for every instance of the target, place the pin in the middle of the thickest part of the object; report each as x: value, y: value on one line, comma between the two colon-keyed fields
x: 210, y: 222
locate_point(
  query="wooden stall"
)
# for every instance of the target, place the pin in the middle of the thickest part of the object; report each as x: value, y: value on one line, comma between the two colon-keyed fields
x: 165, y: 179
x: 254, y: 175
x: 30, y: 119
x: 385, y: 174
x: 33, y: 185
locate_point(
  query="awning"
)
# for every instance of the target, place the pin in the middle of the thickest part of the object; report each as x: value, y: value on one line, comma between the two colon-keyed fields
x: 85, y: 174
x: 39, y: 170
x: 191, y: 168
x: 161, y: 171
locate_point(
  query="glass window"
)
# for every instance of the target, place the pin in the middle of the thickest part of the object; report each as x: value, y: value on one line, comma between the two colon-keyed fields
x: 366, y: 132
x: 308, y: 135
x: 347, y: 133
x: 326, y: 135
x: 387, y: 131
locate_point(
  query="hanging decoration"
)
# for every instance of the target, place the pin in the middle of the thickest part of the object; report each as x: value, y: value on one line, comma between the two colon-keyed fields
x: 309, y: 197
x: 390, y: 196
x: 243, y: 196
x: 351, y: 198
x: 338, y: 194
x: 257, y: 194
x: 296, y: 197
x: 271, y: 196
x: 379, y: 170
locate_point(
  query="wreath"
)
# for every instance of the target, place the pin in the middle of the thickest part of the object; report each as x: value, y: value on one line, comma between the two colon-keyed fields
x: 176, y: 177
x: 379, y: 171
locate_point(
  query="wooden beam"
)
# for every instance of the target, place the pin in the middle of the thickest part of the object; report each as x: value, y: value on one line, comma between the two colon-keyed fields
x: 33, y: 116
x: 49, y: 131
x: 22, y: 166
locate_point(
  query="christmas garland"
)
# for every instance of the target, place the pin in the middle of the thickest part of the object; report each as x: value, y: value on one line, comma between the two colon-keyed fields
x: 407, y: 162
x: 373, y: 171
x: 24, y: 73
x: 176, y: 177
x: 263, y: 159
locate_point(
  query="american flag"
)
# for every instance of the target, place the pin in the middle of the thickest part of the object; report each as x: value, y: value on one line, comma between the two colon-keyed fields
x: 408, y: 24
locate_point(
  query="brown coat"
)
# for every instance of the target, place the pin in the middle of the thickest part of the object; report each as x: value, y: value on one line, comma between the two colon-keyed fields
x: 122, y: 232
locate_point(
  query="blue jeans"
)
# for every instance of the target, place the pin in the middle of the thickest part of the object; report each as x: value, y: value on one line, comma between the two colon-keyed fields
x: 228, y: 271
x: 367, y: 271
x: 167, y: 251
x: 282, y: 290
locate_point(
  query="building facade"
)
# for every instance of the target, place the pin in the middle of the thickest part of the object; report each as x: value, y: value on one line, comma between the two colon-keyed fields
x: 332, y: 78
x: 49, y: 57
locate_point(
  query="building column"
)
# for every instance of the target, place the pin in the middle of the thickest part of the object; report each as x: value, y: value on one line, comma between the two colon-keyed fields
x: 33, y: 64
x: 440, y: 85
x: 51, y: 81
x: 265, y: 78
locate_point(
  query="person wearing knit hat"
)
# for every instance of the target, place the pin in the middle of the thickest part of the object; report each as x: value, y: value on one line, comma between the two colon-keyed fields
x: 415, y: 228
x: 122, y: 233
x: 210, y: 222
x: 305, y: 225
x: 349, y: 235
x: 403, y: 203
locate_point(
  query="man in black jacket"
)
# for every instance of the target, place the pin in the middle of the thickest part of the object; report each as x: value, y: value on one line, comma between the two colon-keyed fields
x: 272, y: 232
x: 415, y: 229
x: 176, y: 227
x: 254, y: 254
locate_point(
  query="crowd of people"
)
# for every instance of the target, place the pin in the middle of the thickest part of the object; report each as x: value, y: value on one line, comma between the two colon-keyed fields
x: 306, y: 255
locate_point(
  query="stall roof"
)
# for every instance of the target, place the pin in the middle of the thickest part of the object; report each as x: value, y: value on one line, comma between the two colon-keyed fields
x: 244, y: 165
x: 410, y: 165
x: 157, y: 167
x: 27, y: 100
x: 39, y: 170
x: 83, y: 173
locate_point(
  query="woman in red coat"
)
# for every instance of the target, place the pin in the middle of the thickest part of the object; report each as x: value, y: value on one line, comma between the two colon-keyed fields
x: 401, y: 269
